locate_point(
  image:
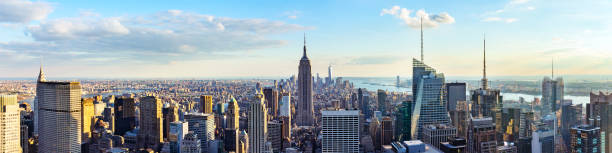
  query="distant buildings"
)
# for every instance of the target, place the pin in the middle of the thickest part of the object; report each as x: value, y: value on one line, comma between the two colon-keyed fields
x: 10, y: 124
x: 271, y: 95
x: 382, y: 101
x: 125, y: 115
x: 59, y: 111
x: 340, y: 131
x: 305, y: 108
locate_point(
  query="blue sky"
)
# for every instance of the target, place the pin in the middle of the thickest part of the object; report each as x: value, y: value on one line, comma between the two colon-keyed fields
x: 114, y: 39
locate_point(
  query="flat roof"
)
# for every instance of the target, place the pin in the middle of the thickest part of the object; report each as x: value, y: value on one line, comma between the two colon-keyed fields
x: 340, y: 112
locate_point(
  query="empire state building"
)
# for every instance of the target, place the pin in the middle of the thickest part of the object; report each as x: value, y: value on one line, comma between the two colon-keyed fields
x: 305, y: 108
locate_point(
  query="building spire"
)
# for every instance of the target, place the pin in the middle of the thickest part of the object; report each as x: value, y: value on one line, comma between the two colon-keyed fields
x: 41, y: 74
x: 484, y: 62
x: 552, y: 68
x: 304, y: 45
x: 422, y: 40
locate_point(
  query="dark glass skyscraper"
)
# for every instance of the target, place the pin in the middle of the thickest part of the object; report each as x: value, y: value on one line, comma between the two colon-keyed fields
x: 305, y: 110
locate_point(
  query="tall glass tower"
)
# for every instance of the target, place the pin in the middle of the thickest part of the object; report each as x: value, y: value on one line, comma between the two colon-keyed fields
x: 428, y: 90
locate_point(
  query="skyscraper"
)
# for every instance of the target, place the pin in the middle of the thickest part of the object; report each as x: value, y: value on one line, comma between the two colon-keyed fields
x: 206, y: 104
x: 258, y: 125
x: 403, y: 120
x: 571, y: 115
x: 382, y: 101
x: 329, y: 75
x: 600, y: 106
x: 170, y: 115
x: 340, y: 131
x: 125, y: 115
x: 191, y: 144
x: 275, y: 135
x: 585, y: 138
x: 271, y: 96
x: 87, y: 115
x: 233, y: 114
x: 177, y: 133
x: 487, y: 102
x: 429, y: 106
x: 552, y: 95
x: 481, y: 136
x: 10, y: 124
x: 151, y: 124
x: 305, y: 108
x: 203, y: 125
x: 455, y: 92
x: 59, y: 111
x: 387, y: 130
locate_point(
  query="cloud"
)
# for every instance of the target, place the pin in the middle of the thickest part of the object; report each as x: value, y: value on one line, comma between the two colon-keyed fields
x: 514, y: 2
x: 373, y: 60
x: 531, y: 8
x: 292, y: 14
x: 23, y: 11
x: 429, y: 21
x: 498, y: 19
x: 159, y: 37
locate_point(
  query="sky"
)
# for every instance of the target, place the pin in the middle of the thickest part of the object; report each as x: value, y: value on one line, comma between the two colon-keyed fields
x: 360, y: 38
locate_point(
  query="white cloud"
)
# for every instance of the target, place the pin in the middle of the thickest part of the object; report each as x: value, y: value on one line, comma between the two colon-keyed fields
x: 519, y: 1
x: 292, y: 14
x: 498, y: 19
x: 160, y: 37
x: 531, y: 8
x: 429, y: 21
x: 23, y: 11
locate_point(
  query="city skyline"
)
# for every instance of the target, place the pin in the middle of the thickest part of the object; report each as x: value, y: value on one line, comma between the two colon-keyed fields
x: 183, y: 39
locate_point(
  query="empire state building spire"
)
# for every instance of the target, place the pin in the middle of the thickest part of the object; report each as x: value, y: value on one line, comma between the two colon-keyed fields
x: 484, y: 63
x: 304, y: 46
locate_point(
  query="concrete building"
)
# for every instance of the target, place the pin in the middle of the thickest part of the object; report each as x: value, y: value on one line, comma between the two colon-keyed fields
x: 275, y: 135
x: 87, y: 116
x: 454, y: 93
x: 10, y: 124
x: 271, y: 96
x: 340, y: 131
x: 434, y: 134
x: 454, y: 145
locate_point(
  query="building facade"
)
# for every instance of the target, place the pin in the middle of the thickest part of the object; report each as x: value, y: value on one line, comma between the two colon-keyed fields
x: 430, y: 105
x: 340, y: 131
x: 59, y: 111
x: 257, y: 125
x: 10, y: 124
x: 305, y: 108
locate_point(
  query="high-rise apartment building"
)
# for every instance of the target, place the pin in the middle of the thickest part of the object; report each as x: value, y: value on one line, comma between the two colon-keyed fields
x: 257, y: 125
x: 170, y: 114
x: 430, y: 105
x: 275, y: 135
x: 10, y: 124
x: 571, y: 115
x: 206, y: 104
x: 58, y: 111
x: 387, y: 130
x: 382, y: 101
x: 600, y: 106
x: 305, y: 108
x: 151, y: 122
x: 340, y: 131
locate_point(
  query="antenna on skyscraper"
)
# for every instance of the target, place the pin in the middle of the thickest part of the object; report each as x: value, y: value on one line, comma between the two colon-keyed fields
x: 422, y: 39
x: 552, y: 68
x: 484, y: 62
